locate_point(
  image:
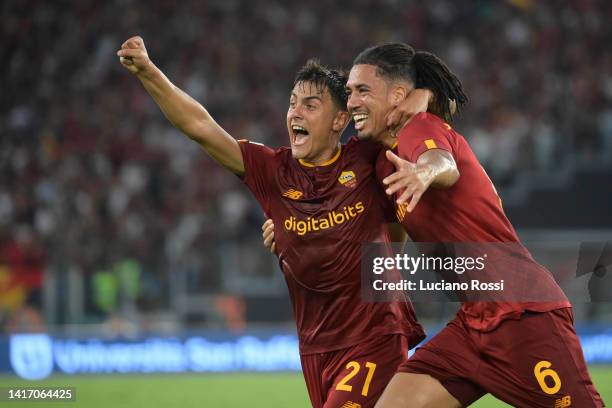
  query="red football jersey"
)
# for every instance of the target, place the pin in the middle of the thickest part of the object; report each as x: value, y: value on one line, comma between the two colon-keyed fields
x: 468, y: 212
x: 322, y: 216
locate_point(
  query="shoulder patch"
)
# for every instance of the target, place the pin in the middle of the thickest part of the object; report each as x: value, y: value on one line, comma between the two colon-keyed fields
x: 430, y: 144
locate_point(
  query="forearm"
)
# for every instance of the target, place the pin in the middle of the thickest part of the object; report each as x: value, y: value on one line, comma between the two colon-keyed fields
x: 180, y: 109
x: 442, y: 168
x: 191, y: 118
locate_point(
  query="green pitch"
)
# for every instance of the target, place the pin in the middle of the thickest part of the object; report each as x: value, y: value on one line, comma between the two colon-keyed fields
x: 208, y: 391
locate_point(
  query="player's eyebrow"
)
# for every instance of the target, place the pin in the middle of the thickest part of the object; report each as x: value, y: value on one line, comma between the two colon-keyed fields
x: 358, y: 86
x: 313, y: 97
x: 307, y: 98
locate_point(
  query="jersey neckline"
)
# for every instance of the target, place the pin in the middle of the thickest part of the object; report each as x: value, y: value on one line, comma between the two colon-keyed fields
x: 326, y: 163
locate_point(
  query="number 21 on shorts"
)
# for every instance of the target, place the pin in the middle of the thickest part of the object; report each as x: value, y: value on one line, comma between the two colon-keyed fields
x: 354, y: 368
x: 548, y: 379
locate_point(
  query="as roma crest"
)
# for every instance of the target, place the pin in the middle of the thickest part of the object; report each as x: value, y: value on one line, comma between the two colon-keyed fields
x: 348, y: 179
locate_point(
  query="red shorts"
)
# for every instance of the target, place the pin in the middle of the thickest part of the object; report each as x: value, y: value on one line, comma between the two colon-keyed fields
x: 535, y: 361
x: 353, y: 377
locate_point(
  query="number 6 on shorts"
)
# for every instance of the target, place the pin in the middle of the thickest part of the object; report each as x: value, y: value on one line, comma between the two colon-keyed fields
x: 541, y: 371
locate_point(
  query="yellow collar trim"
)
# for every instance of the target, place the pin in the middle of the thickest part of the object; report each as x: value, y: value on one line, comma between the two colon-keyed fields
x: 394, y: 146
x: 327, y: 163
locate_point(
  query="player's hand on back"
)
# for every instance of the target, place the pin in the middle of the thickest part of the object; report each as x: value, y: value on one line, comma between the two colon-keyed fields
x: 268, y: 235
x: 416, y: 102
x: 133, y: 56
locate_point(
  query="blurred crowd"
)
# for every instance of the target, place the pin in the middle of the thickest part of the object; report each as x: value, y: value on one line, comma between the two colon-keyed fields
x: 93, y: 179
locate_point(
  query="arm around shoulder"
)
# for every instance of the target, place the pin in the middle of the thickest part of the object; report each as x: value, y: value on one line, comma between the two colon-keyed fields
x: 444, y: 171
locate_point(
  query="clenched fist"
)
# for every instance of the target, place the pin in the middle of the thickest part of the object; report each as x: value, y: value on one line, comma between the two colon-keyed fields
x: 133, y: 56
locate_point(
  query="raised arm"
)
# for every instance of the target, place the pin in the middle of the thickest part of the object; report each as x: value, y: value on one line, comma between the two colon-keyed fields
x: 184, y: 112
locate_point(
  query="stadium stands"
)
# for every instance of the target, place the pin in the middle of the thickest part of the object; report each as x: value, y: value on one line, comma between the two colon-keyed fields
x: 126, y: 217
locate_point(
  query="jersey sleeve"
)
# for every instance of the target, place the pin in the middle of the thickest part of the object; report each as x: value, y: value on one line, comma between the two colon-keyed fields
x: 260, y: 163
x: 424, y: 132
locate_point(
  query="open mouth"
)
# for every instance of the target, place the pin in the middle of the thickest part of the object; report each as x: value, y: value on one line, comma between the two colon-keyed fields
x: 360, y: 119
x: 300, y: 135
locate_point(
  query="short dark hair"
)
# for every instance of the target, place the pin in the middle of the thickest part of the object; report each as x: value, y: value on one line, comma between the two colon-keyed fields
x: 399, y: 61
x: 323, y: 77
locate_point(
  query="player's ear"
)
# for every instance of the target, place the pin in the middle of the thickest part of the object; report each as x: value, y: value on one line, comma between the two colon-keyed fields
x: 341, y: 120
x: 398, y: 93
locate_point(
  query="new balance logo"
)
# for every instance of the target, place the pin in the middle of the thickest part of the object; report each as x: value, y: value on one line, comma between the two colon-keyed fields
x: 564, y: 402
x: 293, y: 194
x: 350, y: 404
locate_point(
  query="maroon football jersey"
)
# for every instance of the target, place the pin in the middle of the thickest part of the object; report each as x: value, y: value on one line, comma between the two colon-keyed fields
x: 322, y: 216
x: 468, y: 212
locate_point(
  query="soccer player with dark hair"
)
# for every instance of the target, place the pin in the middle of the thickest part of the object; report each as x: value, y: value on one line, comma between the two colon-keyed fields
x: 328, y: 200
x: 525, y: 353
